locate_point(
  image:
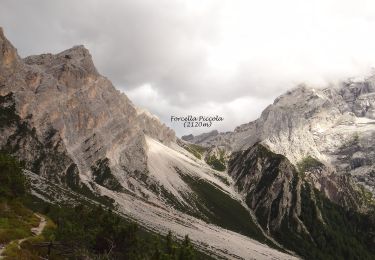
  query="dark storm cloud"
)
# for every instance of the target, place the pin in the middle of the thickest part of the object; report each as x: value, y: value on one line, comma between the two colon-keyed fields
x: 132, y: 42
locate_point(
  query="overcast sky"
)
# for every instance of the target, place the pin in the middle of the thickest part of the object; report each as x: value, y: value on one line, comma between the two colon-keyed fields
x: 227, y: 58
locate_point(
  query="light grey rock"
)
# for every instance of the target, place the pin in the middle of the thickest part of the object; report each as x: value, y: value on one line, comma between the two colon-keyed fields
x: 314, y: 122
x: 62, y: 99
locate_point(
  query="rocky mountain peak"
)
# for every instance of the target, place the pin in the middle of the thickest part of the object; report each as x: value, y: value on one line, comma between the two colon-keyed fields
x: 201, y: 137
x: 76, y: 134
x: 76, y: 61
x: 334, y: 125
x: 63, y: 97
x: 8, y: 54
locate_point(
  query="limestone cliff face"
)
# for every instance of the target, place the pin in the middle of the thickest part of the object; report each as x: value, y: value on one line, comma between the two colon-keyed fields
x: 270, y: 184
x: 68, y: 123
x: 62, y: 100
x: 9, y: 60
x: 320, y: 123
x: 294, y: 204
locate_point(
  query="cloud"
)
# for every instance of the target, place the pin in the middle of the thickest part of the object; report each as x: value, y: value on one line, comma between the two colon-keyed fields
x: 208, y: 56
x: 234, y: 112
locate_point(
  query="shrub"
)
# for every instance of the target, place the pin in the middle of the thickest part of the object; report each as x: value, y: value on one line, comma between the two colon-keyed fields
x: 12, y: 181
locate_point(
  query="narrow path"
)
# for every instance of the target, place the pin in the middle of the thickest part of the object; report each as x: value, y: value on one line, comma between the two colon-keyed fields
x: 35, y: 231
x: 42, y: 224
x: 2, y: 247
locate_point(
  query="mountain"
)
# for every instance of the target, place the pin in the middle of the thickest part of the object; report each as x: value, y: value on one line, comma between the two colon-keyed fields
x: 301, y: 217
x: 334, y: 125
x: 295, y: 183
x: 306, y: 167
x: 82, y: 141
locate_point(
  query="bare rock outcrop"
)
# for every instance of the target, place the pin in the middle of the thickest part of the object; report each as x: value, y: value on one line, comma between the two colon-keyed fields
x: 319, y: 123
x: 62, y: 100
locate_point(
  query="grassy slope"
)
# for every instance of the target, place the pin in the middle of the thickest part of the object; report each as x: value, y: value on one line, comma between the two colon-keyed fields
x: 15, y: 221
x: 219, y: 208
x: 195, y: 149
x: 198, y: 151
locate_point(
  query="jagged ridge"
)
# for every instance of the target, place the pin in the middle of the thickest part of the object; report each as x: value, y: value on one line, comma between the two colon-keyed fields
x: 294, y: 212
x: 88, y: 137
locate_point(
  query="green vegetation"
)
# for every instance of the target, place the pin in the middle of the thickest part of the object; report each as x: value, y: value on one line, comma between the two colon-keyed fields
x: 216, y: 163
x: 169, y: 197
x: 219, y: 208
x: 264, y: 152
x: 198, y: 151
x: 27, y: 249
x: 72, y: 180
x: 341, y: 234
x: 12, y: 181
x: 98, y: 232
x: 308, y: 163
x: 367, y: 196
x: 195, y: 149
x: 103, y: 175
x: 15, y: 221
x: 7, y: 113
x: 83, y: 231
x: 313, y: 227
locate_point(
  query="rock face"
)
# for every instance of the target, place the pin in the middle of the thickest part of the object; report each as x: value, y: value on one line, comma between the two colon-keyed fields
x: 82, y: 140
x: 298, y: 215
x: 299, y: 165
x: 61, y: 100
x: 320, y: 123
x: 269, y: 182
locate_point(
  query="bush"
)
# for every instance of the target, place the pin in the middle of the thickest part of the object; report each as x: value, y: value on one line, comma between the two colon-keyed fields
x: 102, y: 233
x: 12, y: 181
x: 308, y: 163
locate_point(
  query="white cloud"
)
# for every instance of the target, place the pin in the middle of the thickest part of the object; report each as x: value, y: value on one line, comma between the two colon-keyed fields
x: 234, y: 112
x: 207, y: 56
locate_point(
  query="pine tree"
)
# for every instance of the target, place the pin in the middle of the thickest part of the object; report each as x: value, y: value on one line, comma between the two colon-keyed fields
x: 157, y: 254
x: 170, y: 246
x: 186, y: 250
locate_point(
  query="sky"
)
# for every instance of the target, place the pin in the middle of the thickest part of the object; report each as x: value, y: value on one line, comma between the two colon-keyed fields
x: 229, y: 58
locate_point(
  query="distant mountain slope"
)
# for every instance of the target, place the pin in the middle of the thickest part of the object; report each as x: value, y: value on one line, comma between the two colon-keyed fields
x: 299, y: 216
x: 306, y: 168
x: 81, y: 139
x: 275, y: 186
x: 335, y: 125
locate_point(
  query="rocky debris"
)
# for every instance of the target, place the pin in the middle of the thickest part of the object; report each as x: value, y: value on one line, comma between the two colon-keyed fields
x: 313, y: 122
x: 70, y: 125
